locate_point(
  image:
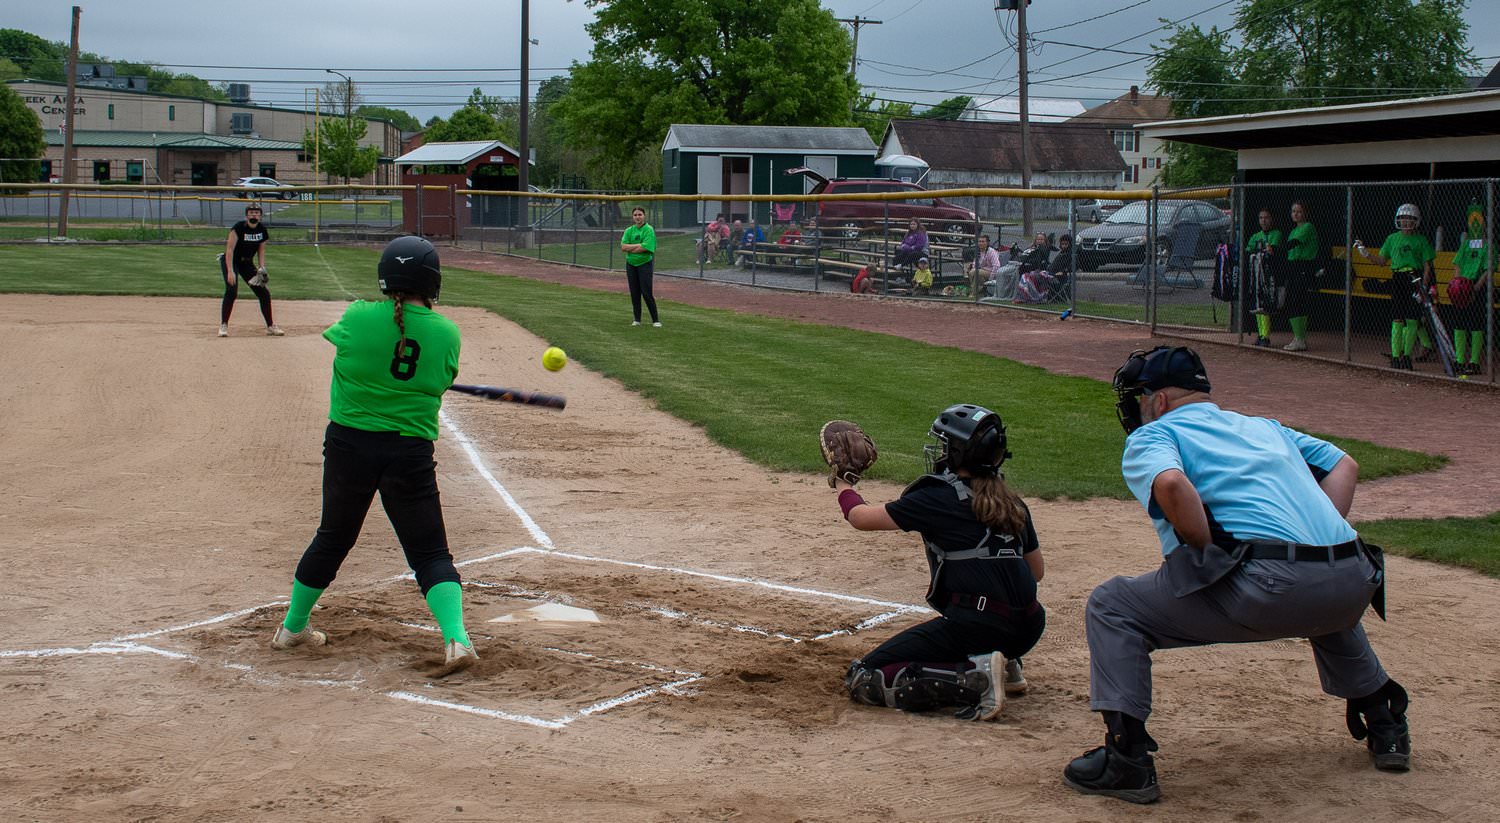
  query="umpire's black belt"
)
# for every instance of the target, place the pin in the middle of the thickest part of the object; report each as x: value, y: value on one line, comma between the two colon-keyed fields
x: 1282, y: 550
x: 983, y: 603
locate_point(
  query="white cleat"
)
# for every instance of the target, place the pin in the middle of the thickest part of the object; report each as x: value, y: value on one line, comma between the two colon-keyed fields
x: 992, y: 697
x: 223, y: 329
x: 285, y: 639
x: 274, y: 331
x: 456, y: 658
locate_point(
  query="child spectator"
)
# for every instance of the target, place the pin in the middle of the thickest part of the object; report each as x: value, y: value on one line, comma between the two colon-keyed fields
x: 913, y: 245
x: 921, y: 279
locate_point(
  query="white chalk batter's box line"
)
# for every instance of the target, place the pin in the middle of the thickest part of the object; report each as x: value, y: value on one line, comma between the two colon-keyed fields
x: 127, y: 644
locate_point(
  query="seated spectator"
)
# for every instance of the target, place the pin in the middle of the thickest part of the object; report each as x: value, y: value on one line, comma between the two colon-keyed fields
x: 1030, y: 259
x: 913, y: 245
x: 752, y: 235
x: 862, y: 283
x: 1038, y: 286
x: 792, y: 236
x: 986, y: 263
x: 736, y: 233
x: 921, y: 279
x: 715, y: 234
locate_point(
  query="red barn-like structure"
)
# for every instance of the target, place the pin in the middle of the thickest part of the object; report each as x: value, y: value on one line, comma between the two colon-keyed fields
x: 478, y: 164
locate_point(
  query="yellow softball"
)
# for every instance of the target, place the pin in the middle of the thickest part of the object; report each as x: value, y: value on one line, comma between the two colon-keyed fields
x: 553, y: 359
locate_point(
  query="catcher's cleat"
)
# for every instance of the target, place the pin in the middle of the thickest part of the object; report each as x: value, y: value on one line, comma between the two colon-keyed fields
x: 456, y: 658
x: 1109, y: 771
x: 990, y: 669
x: 274, y: 331
x: 1015, y: 681
x: 285, y: 639
x: 223, y: 329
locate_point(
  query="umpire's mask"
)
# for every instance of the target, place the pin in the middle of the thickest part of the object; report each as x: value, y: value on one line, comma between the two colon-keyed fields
x: 1160, y: 368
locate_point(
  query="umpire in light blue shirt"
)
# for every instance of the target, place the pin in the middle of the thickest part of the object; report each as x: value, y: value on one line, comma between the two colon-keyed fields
x: 1251, y: 519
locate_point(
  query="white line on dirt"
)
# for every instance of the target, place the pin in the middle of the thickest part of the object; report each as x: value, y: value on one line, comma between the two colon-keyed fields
x: 473, y: 453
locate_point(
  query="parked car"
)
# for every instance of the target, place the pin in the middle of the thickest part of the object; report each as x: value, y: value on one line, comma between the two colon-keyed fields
x: 264, y: 187
x: 1122, y: 237
x: 849, y: 217
x: 1096, y: 210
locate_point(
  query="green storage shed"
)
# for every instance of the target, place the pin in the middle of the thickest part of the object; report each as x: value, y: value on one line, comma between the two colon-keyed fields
x: 737, y: 160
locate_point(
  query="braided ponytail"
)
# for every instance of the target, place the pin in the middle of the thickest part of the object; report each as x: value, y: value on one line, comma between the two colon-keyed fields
x: 401, y: 298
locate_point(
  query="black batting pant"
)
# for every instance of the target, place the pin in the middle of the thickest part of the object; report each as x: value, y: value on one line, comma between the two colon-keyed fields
x: 357, y: 464
x: 245, y: 269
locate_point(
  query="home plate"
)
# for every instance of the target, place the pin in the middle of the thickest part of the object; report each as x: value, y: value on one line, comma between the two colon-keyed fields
x: 549, y: 613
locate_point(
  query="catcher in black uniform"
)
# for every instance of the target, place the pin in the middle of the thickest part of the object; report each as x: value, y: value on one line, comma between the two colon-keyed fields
x: 984, y: 559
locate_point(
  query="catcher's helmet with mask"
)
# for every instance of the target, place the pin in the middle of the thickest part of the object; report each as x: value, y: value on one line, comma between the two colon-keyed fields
x: 1150, y: 371
x: 1408, y: 211
x: 967, y: 437
x: 410, y: 264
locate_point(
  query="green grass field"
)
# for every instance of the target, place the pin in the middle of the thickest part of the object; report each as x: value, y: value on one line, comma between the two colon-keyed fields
x: 1471, y: 542
x: 758, y: 385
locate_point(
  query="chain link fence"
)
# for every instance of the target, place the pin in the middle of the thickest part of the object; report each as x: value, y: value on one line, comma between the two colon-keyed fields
x: 1313, y: 269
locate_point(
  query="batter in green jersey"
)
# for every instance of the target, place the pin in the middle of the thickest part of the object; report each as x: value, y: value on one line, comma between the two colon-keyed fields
x: 392, y: 362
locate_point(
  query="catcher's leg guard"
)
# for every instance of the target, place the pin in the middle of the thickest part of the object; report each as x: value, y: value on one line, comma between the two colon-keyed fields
x: 1381, y: 717
x: 866, y: 685
x: 920, y: 689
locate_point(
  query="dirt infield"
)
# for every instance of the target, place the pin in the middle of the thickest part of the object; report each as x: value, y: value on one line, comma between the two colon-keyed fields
x: 163, y: 483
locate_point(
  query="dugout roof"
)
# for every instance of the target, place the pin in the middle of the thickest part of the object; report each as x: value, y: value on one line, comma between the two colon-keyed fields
x: 1447, y: 128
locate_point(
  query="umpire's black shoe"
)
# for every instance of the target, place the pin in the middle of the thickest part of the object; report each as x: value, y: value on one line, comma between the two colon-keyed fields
x: 1109, y: 771
x: 1390, y: 746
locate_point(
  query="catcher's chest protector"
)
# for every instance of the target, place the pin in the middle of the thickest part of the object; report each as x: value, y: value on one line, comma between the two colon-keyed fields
x: 989, y: 547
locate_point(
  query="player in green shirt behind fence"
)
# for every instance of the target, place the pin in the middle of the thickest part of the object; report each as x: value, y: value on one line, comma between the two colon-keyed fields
x: 1410, y: 257
x: 1468, y: 292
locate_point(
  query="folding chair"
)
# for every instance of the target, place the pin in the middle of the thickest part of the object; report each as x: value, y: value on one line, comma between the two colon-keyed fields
x: 1178, y: 272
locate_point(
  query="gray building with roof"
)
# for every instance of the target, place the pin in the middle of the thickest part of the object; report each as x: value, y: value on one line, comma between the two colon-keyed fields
x: 737, y: 160
x: 969, y: 154
x: 123, y: 135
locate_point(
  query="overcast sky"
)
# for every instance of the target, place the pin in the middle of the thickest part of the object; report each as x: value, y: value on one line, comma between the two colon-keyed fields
x: 426, y: 57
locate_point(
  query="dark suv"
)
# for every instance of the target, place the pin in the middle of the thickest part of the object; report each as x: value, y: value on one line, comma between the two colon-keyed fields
x: 849, y: 217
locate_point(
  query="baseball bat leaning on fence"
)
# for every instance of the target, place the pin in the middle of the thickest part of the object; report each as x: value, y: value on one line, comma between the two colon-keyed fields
x: 551, y: 401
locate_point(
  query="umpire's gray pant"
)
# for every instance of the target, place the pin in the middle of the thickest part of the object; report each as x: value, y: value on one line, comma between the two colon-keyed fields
x: 1130, y: 617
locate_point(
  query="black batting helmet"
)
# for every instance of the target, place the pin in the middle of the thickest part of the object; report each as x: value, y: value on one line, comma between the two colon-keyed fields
x: 1160, y: 368
x: 968, y: 437
x: 410, y: 264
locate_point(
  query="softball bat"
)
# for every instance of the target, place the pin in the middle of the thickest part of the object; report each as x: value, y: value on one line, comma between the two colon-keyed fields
x: 551, y: 401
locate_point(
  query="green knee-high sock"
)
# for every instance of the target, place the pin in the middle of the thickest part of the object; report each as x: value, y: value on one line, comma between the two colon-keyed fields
x: 303, y: 600
x: 1460, y: 345
x: 1263, y: 325
x: 1299, y: 327
x: 1409, y: 337
x: 446, y: 601
x: 1398, y: 333
x: 1423, y: 334
x: 1476, y: 345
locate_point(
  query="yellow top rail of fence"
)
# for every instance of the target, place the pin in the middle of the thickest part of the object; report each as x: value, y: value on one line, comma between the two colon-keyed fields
x: 913, y: 194
x: 194, y: 190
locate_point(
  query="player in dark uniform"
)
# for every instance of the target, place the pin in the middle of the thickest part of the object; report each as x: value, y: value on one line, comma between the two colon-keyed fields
x: 985, y: 563
x: 393, y: 361
x: 245, y: 256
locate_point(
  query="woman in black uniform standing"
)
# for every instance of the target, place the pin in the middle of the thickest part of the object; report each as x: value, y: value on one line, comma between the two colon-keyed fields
x: 245, y: 257
x: 985, y: 563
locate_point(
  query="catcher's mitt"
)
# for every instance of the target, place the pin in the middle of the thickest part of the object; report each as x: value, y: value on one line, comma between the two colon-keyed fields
x: 260, y: 278
x: 847, y: 450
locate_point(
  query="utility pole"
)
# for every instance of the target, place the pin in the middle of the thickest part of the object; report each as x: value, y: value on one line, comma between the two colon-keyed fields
x: 1019, y: 7
x: 70, y: 175
x: 854, y: 59
x: 523, y: 184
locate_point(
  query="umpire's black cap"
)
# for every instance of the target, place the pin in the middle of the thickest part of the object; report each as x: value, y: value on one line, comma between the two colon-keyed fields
x: 1163, y: 367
